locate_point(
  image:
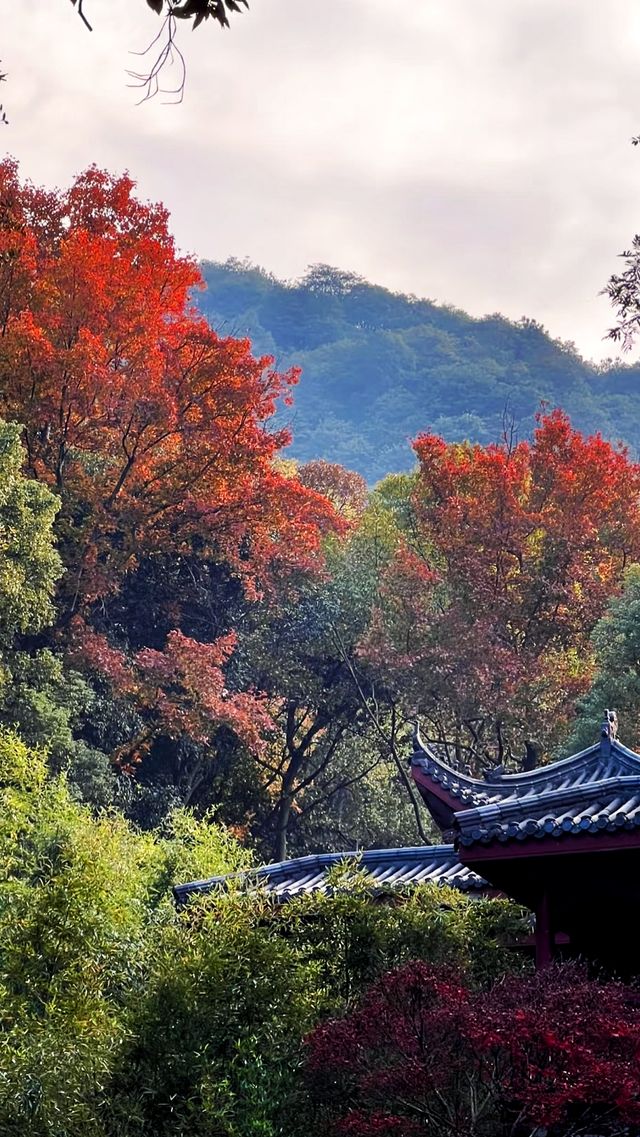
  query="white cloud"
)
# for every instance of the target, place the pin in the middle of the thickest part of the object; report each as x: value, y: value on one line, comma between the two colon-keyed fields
x: 475, y: 151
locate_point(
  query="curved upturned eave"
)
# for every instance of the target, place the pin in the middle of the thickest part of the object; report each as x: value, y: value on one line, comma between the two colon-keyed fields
x: 453, y: 789
x: 461, y: 791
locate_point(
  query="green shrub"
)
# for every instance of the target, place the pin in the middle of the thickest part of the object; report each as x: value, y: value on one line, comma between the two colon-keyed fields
x: 121, y: 1016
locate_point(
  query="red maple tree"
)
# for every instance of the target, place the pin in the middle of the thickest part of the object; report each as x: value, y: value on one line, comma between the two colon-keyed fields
x: 150, y: 426
x: 486, y: 616
x: 345, y: 489
x: 153, y: 430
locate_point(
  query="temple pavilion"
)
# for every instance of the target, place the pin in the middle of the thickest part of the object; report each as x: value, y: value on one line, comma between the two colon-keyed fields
x: 563, y: 840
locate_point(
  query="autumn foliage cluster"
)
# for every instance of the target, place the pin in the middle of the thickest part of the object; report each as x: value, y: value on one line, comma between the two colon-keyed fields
x: 228, y: 628
x: 151, y: 429
x: 488, y: 606
x: 210, y: 653
x: 556, y: 1053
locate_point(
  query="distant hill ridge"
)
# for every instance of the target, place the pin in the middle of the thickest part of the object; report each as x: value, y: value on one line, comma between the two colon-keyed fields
x: 379, y: 367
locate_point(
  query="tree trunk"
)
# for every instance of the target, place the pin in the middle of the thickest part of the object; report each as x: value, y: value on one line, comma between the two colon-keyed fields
x: 283, y: 817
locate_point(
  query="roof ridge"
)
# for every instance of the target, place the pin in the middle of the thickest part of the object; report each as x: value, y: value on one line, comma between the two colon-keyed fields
x: 464, y: 785
x: 320, y: 860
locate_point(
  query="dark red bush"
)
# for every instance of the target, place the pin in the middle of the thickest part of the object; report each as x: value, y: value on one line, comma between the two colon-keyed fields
x: 424, y: 1054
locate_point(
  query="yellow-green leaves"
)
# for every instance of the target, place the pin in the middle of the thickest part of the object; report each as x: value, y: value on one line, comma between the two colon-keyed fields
x: 29, y: 563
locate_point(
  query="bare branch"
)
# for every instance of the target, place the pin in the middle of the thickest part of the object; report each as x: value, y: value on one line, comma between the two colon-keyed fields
x: 78, y: 4
x: 4, y: 121
x: 387, y: 742
x: 168, y: 56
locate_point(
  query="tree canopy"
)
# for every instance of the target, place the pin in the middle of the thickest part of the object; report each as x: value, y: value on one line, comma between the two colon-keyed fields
x: 212, y: 652
x: 485, y: 614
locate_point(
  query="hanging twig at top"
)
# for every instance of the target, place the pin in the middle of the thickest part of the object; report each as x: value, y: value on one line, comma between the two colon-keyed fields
x: 169, y: 56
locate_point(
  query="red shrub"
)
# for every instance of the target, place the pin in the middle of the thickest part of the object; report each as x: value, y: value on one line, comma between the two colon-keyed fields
x: 424, y: 1054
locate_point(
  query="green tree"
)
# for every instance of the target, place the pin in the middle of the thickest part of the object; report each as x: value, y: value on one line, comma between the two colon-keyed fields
x: 29, y: 563
x: 38, y: 696
x: 235, y: 982
x: 122, y: 1016
x: 616, y: 678
x: 338, y: 734
x: 360, y: 802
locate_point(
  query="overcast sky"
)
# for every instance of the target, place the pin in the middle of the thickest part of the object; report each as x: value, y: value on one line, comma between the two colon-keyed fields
x: 473, y: 151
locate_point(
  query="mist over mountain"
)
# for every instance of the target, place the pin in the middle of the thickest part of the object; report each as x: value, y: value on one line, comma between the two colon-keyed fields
x: 379, y: 367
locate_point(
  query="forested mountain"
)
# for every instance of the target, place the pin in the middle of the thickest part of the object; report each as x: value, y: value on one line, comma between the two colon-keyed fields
x: 378, y: 367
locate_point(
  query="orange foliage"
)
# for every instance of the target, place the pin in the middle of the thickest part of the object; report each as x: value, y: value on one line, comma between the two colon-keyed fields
x: 184, y: 685
x: 179, y: 691
x: 151, y: 427
x: 345, y: 489
x: 486, y: 626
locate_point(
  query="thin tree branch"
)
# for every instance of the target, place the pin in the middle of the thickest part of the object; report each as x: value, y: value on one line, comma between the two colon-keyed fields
x: 388, y: 743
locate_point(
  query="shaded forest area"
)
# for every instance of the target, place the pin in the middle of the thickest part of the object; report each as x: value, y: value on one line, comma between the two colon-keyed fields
x: 378, y: 366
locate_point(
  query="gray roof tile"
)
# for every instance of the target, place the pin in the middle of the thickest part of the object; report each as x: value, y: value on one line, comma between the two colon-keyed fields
x: 393, y: 868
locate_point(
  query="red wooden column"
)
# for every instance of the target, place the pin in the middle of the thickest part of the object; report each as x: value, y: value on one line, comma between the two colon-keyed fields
x: 544, y: 933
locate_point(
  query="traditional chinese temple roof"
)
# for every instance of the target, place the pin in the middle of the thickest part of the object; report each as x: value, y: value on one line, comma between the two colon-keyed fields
x: 396, y: 868
x: 595, y: 791
x: 563, y: 839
